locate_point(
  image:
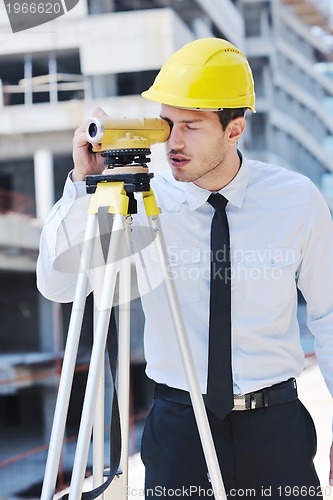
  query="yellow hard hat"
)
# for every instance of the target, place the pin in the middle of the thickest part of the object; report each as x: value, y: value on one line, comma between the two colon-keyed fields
x: 206, y: 74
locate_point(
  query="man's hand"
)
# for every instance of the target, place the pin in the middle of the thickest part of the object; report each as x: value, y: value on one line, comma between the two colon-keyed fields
x: 85, y: 162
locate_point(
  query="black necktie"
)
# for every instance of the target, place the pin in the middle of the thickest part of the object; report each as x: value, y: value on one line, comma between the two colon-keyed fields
x: 219, y: 397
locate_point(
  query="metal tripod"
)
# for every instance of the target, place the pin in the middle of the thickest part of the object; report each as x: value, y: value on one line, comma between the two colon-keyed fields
x: 113, y: 193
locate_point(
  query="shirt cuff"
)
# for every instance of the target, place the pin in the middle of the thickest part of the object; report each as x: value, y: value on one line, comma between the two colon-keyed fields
x: 74, y: 189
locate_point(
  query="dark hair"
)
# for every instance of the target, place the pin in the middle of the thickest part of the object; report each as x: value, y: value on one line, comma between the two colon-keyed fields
x: 228, y: 114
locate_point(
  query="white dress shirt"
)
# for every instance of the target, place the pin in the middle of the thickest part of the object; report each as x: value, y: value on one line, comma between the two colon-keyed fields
x: 281, y: 235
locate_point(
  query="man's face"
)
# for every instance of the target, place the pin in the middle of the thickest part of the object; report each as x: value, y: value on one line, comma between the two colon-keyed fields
x: 197, y: 147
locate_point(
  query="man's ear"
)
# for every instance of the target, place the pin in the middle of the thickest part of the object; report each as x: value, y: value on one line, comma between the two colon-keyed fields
x: 236, y: 128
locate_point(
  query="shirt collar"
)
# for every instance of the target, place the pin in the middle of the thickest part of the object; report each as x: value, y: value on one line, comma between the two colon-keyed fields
x: 234, y: 191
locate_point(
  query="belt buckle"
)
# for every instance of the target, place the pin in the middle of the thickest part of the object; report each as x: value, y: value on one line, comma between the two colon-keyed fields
x: 244, y: 402
x: 239, y: 402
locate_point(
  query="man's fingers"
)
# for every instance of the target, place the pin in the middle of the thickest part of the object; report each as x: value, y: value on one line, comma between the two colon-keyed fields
x: 99, y: 113
x: 80, y: 132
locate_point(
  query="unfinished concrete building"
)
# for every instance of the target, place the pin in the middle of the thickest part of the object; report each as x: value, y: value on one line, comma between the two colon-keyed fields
x: 105, y: 53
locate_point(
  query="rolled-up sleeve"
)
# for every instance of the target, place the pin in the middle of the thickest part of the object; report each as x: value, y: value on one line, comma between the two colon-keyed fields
x: 61, y: 244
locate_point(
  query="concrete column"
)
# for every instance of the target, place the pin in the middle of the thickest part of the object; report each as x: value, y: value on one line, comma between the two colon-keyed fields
x: 48, y: 401
x: 51, y: 340
x: 103, y: 86
x: 101, y: 6
x: 50, y: 321
x: 53, y: 78
x: 50, y: 326
x: 28, y: 93
x: 1, y: 94
x: 44, y: 183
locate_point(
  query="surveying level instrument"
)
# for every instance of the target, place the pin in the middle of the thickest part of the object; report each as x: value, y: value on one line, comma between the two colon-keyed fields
x: 117, y: 134
x: 125, y: 146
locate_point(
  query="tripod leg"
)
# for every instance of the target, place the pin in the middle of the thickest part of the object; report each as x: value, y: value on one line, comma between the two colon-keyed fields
x: 111, y: 270
x: 191, y: 376
x: 98, y: 424
x: 66, y: 379
x: 124, y: 358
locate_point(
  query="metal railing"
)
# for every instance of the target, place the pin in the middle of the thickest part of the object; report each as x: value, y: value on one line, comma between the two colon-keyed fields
x: 74, y: 85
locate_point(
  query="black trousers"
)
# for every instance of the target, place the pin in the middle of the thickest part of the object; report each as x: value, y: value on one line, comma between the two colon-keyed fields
x: 263, y: 453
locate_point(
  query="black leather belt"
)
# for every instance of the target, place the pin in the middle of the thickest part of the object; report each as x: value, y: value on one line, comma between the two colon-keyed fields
x: 269, y: 396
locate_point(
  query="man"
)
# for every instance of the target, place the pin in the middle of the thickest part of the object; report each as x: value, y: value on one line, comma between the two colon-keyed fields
x: 281, y: 238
